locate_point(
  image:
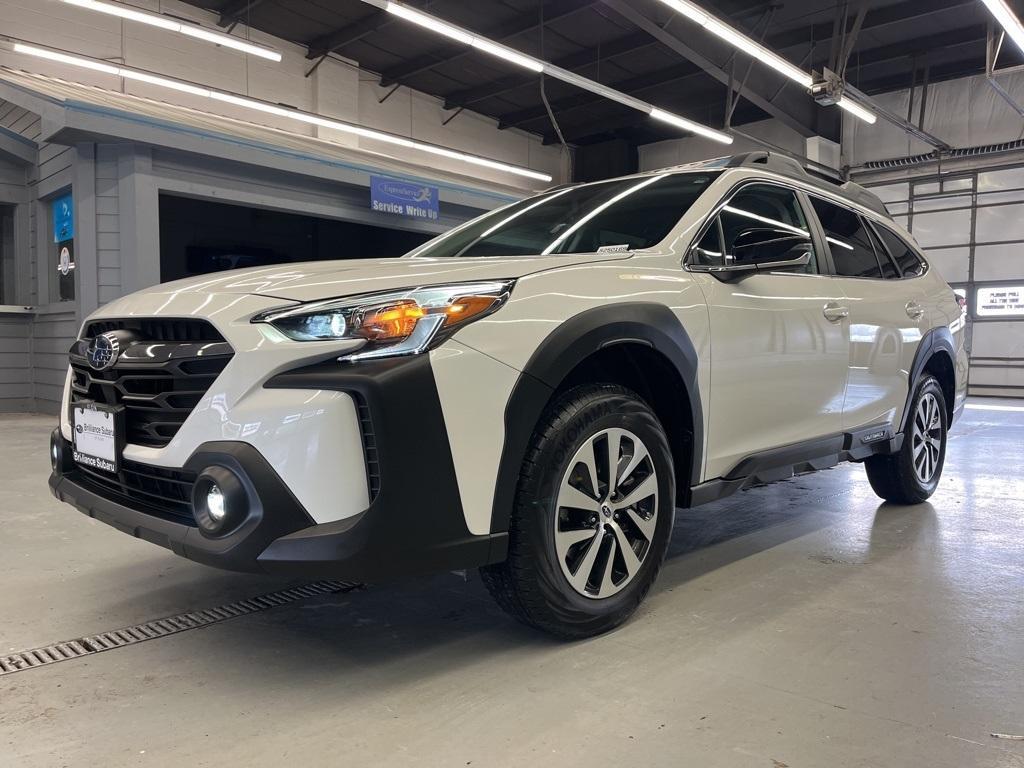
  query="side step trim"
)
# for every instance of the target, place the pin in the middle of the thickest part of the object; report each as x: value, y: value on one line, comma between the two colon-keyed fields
x: 783, y: 462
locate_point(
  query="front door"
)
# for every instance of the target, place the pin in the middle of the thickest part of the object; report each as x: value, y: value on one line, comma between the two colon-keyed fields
x: 779, y: 348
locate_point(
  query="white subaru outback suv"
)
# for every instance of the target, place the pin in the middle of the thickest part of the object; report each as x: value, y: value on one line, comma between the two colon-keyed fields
x: 533, y: 393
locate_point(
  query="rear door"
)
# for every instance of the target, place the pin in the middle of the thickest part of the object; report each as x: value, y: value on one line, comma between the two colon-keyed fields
x: 778, y: 362
x: 886, y: 317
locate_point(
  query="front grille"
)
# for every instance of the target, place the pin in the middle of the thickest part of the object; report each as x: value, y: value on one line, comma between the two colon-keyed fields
x: 158, y: 329
x: 157, y: 491
x: 160, y: 377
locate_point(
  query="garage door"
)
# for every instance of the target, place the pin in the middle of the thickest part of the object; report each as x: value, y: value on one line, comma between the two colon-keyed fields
x: 971, y: 226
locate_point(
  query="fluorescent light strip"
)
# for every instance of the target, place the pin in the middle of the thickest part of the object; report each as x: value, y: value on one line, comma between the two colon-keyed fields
x: 753, y: 48
x: 856, y: 110
x: 432, y: 23
x: 463, y: 36
x: 173, y: 25
x: 605, y: 205
x: 273, y: 109
x: 689, y: 125
x: 738, y: 40
x: 1008, y: 20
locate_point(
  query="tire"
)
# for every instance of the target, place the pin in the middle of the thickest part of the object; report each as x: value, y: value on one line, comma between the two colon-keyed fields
x: 906, y: 478
x: 533, y: 584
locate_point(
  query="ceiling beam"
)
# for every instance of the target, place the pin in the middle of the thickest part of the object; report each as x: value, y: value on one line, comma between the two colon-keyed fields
x: 630, y: 43
x: 920, y: 47
x: 618, y: 120
x: 969, y: 65
x: 357, y: 30
x: 681, y: 74
x: 909, y: 11
x: 235, y: 11
x: 792, y: 107
x: 633, y: 86
x: 553, y: 11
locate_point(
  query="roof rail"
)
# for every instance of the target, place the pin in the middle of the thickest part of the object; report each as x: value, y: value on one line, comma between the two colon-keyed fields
x: 820, y: 174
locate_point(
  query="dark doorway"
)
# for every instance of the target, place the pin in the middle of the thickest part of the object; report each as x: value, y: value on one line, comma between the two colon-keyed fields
x: 200, y: 236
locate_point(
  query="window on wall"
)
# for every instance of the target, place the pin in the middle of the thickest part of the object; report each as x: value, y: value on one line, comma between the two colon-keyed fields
x: 7, y: 263
x: 61, y: 244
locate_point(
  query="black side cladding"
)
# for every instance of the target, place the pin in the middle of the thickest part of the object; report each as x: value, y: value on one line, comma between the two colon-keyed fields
x: 416, y: 519
x: 653, y: 325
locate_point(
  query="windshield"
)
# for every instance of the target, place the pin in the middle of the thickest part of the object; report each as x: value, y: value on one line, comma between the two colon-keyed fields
x: 624, y: 214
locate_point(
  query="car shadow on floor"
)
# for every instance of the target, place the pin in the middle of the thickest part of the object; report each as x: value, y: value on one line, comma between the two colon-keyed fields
x: 426, y: 627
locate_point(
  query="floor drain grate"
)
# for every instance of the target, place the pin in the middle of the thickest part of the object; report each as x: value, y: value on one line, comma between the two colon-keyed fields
x: 151, y: 630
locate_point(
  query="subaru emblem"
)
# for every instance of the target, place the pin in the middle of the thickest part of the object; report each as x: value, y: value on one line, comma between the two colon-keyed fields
x: 103, y: 351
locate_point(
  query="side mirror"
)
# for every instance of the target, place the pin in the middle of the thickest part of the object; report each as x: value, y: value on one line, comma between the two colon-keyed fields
x: 761, y: 248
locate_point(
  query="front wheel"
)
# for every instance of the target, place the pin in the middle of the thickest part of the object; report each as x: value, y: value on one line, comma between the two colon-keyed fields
x: 912, y: 474
x: 593, y: 514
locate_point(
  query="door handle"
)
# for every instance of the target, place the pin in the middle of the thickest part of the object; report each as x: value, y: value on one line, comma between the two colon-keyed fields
x: 914, y: 310
x: 834, y: 313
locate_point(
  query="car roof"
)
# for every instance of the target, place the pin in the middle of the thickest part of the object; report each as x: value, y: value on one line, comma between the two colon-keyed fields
x: 817, y: 176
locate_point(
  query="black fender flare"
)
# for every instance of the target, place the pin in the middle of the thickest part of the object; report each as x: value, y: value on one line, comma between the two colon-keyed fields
x: 934, y: 342
x: 649, y: 324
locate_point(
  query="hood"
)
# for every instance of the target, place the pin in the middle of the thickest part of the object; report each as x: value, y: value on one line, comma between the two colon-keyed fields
x: 316, y: 280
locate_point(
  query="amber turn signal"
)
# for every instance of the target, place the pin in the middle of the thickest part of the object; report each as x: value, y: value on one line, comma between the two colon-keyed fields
x: 466, y: 308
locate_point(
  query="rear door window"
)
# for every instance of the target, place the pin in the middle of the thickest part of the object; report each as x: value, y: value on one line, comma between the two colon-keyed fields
x: 848, y: 239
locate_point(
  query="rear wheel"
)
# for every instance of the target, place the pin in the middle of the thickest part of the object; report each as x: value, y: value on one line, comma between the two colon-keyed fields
x: 912, y: 474
x: 593, y: 514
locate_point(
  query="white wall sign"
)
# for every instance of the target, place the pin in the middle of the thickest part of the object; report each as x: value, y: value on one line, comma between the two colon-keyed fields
x: 1002, y: 301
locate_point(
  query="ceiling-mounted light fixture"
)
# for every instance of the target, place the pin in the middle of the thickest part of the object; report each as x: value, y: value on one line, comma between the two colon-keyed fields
x: 737, y: 39
x: 1008, y: 20
x: 856, y: 109
x: 464, y: 36
x: 754, y: 49
x: 174, y: 25
x: 830, y: 90
x: 310, y: 118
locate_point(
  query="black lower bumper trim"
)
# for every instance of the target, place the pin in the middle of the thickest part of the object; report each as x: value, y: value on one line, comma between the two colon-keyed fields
x: 278, y: 536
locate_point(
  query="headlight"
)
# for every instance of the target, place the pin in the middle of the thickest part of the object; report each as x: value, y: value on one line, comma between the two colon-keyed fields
x: 395, y: 323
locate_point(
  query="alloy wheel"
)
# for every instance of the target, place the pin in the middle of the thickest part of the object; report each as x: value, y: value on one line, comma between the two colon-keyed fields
x: 926, y: 437
x: 606, y: 513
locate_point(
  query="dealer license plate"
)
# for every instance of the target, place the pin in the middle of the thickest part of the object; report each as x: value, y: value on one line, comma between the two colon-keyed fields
x: 99, y: 432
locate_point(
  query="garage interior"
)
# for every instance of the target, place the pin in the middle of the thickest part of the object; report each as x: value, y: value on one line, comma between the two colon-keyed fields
x: 800, y: 623
x: 198, y: 237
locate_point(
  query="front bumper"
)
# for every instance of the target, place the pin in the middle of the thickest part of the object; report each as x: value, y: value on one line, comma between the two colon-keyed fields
x: 414, y: 522
x: 277, y: 536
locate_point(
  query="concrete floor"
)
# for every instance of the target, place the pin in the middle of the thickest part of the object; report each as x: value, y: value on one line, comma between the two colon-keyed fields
x: 801, y: 624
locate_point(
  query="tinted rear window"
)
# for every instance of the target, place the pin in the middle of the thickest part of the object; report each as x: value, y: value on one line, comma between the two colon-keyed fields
x: 909, y: 262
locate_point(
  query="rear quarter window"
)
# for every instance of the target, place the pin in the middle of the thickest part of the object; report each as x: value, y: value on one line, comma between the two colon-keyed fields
x: 902, y: 252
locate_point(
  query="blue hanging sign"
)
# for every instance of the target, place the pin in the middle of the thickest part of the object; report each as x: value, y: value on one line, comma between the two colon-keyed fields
x: 404, y: 198
x: 63, y: 218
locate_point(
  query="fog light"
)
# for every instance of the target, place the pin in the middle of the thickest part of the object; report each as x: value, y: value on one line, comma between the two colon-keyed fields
x: 220, y: 503
x: 56, y: 449
x: 215, y: 503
